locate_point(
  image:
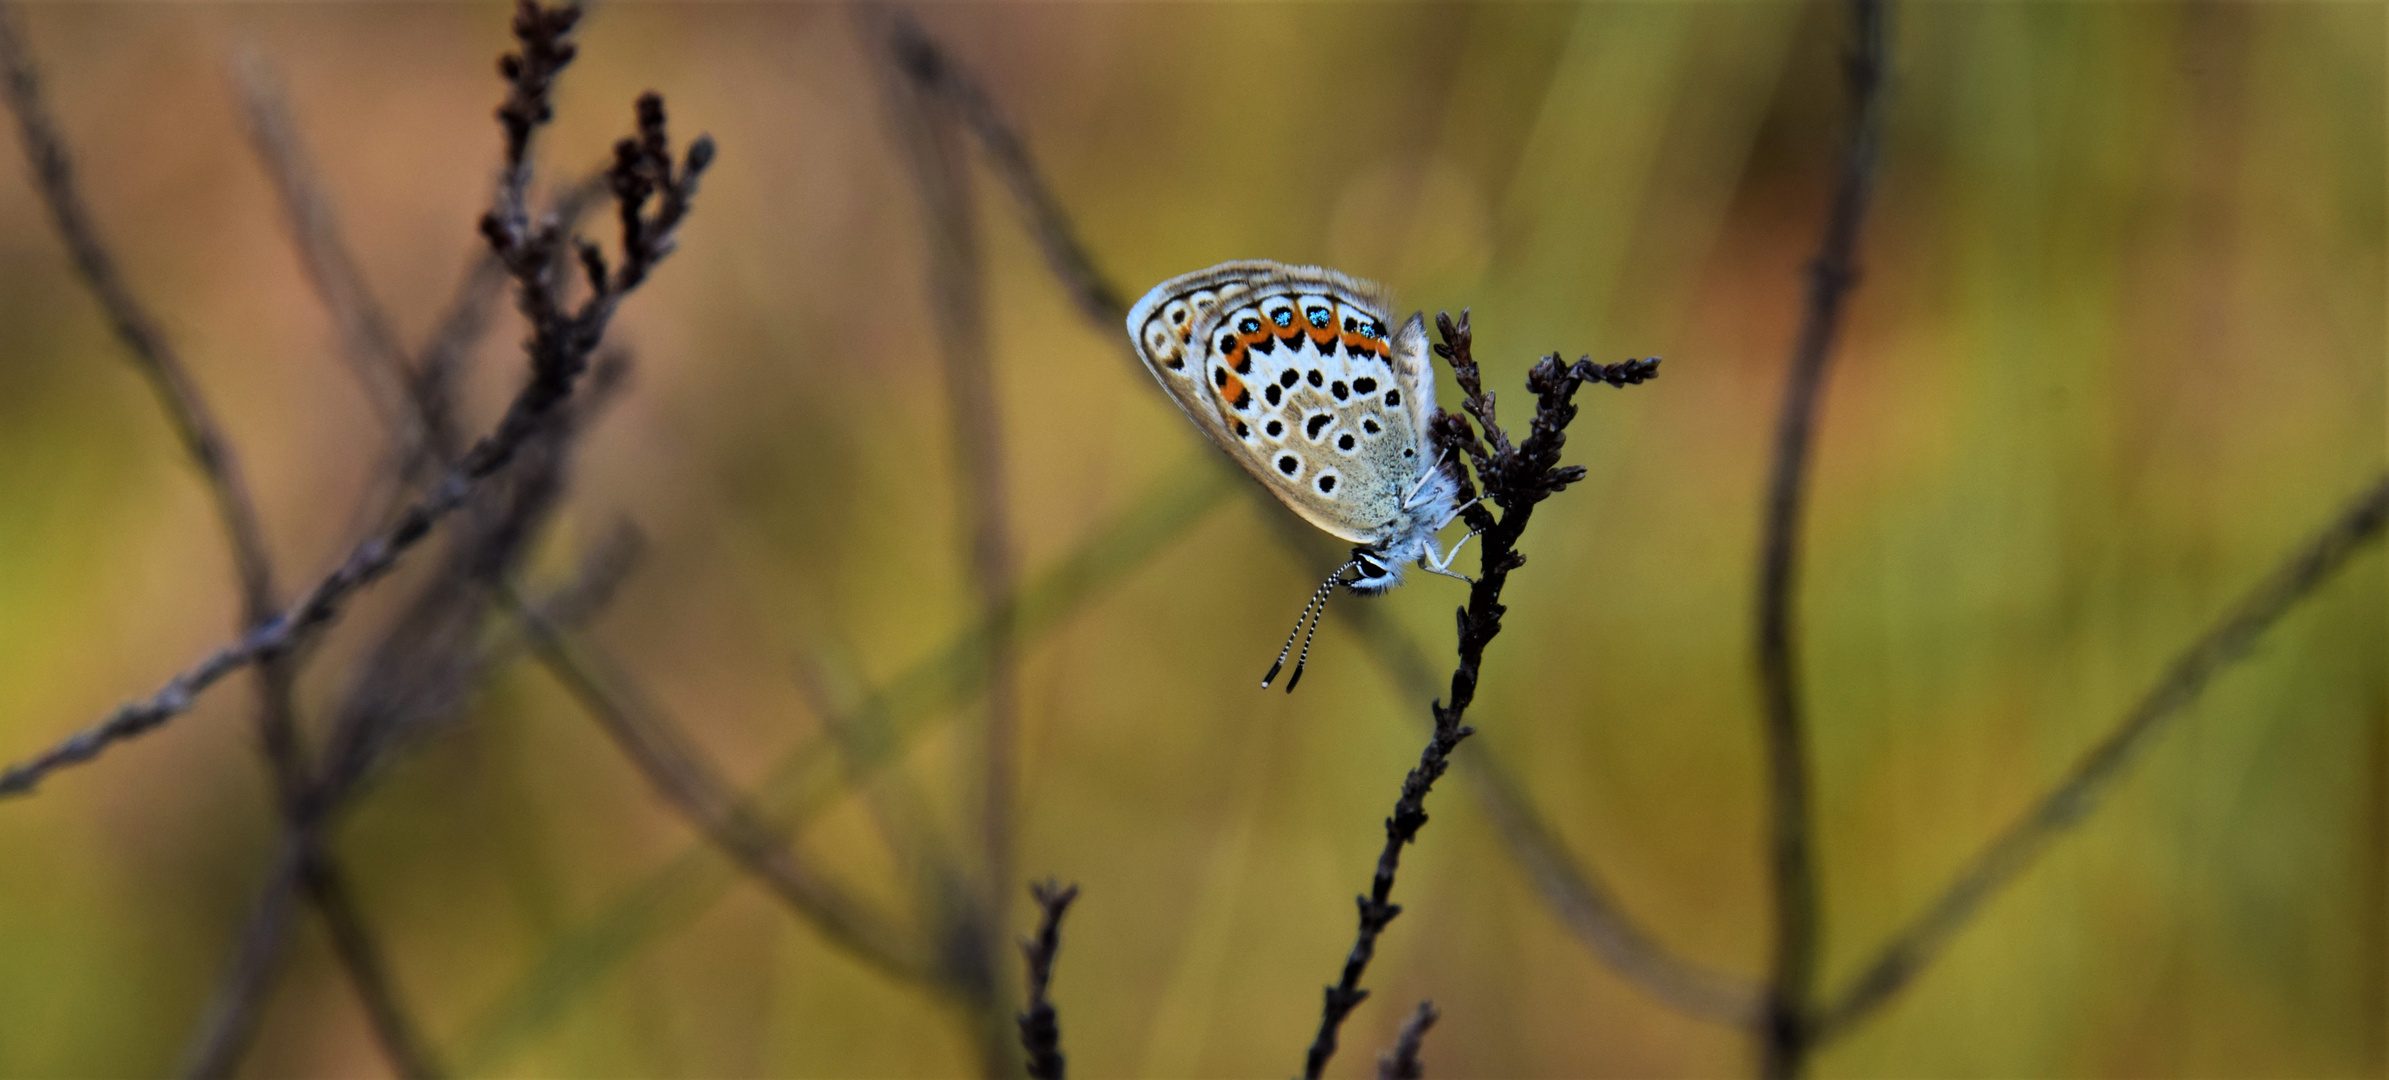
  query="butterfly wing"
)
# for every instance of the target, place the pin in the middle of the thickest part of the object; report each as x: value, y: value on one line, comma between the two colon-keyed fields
x: 1295, y: 372
x: 1162, y: 327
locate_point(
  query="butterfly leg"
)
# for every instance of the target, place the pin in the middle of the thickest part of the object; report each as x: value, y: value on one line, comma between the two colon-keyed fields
x: 1442, y: 564
x: 1424, y: 478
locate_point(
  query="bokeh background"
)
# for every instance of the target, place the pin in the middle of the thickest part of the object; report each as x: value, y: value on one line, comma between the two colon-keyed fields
x: 2118, y: 346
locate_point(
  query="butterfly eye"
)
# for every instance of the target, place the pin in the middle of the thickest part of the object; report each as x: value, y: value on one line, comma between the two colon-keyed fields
x: 1319, y: 317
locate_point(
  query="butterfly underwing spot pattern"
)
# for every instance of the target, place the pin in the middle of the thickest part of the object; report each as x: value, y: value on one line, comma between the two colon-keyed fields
x: 1300, y: 375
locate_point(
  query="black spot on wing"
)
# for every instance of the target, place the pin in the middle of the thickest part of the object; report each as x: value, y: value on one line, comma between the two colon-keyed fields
x: 1365, y: 385
x: 1273, y: 393
x: 1316, y: 423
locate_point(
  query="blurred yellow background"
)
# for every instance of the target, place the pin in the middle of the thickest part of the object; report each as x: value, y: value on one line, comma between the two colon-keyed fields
x: 2119, y: 345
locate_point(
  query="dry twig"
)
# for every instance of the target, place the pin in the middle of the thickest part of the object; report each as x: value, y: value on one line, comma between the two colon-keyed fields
x: 562, y: 339
x: 2014, y: 850
x: 1040, y: 1026
x: 1402, y: 1062
x: 1515, y: 477
x: 1782, y: 1024
x: 187, y: 408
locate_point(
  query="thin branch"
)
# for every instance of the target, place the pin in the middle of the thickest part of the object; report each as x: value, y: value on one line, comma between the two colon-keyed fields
x: 230, y: 1022
x: 930, y: 135
x: 2016, y: 848
x: 806, y: 781
x: 152, y: 353
x: 1401, y: 1062
x: 561, y: 341
x: 1040, y: 1025
x: 928, y: 64
x: 424, y: 667
x: 1516, y: 477
x: 170, y: 379
x: 681, y: 775
x: 368, y: 342
x: 360, y: 953
x: 1781, y: 1030
x: 1571, y: 888
x: 188, y: 410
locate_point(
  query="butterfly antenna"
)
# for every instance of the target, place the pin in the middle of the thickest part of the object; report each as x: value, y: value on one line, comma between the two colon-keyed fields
x: 1305, y: 659
x: 1318, y: 603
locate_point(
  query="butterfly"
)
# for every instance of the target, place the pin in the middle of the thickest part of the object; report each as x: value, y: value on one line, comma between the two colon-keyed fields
x: 1297, y: 373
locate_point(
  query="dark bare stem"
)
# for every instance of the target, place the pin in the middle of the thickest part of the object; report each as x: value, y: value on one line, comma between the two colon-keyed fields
x: 935, y: 71
x: 930, y: 133
x: 1781, y: 1029
x: 1515, y: 477
x: 805, y: 782
x: 1572, y: 889
x: 230, y: 1025
x: 360, y: 953
x: 154, y: 355
x: 1040, y: 1025
x: 657, y: 745
x: 1402, y: 1062
x: 193, y: 420
x: 2016, y: 848
x: 231, y: 1021
x: 414, y: 675
x: 562, y: 339
x: 368, y: 342
x: 151, y: 352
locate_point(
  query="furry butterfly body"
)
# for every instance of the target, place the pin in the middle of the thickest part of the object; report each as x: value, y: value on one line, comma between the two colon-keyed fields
x: 1299, y: 374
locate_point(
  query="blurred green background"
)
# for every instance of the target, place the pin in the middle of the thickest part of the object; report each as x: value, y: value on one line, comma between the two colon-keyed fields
x: 2119, y: 345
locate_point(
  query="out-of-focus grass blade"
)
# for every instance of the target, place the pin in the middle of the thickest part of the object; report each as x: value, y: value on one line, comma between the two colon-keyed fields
x: 816, y: 773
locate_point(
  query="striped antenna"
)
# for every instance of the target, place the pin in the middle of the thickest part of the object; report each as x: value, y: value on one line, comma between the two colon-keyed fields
x: 1317, y: 607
